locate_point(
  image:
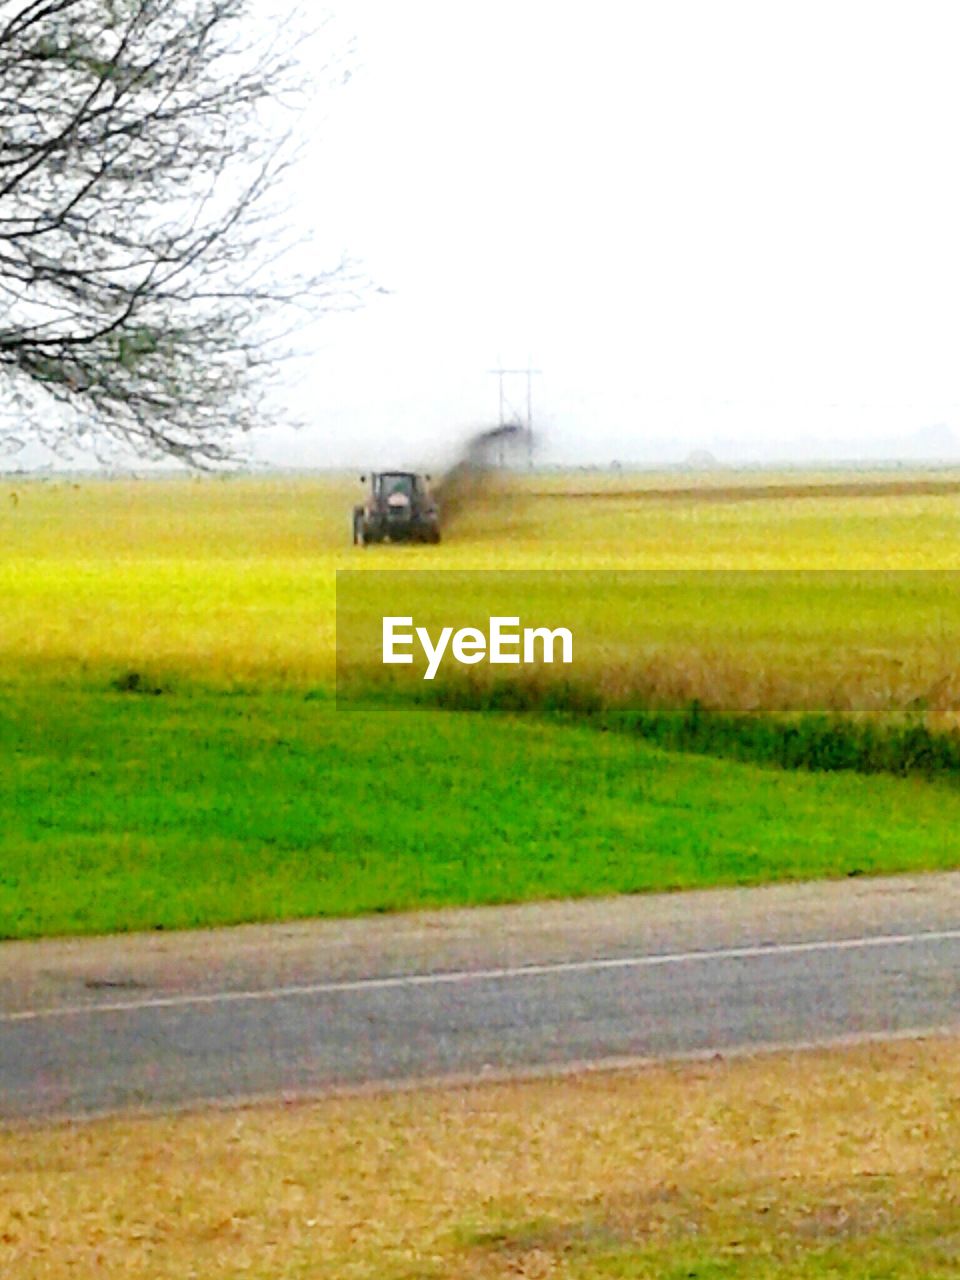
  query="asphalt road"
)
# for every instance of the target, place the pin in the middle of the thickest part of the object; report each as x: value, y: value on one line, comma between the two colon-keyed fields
x: 168, y: 1020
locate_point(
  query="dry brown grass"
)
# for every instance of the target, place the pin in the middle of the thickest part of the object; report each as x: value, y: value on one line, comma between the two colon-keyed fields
x: 794, y: 1163
x: 716, y: 487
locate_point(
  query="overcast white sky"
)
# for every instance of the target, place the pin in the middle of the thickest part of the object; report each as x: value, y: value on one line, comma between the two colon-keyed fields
x: 726, y: 225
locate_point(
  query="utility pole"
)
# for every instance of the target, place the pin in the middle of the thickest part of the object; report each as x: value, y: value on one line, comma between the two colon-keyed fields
x: 517, y: 420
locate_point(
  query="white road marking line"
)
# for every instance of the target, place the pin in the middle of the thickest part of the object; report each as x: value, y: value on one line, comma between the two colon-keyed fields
x: 465, y: 976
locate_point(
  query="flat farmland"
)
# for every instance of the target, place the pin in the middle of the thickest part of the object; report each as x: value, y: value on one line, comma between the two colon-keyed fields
x: 225, y: 580
x: 172, y: 755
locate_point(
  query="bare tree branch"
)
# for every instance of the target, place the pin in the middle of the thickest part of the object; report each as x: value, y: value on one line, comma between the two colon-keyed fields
x: 139, y: 280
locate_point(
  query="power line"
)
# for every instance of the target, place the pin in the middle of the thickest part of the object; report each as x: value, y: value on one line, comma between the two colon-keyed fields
x: 528, y: 373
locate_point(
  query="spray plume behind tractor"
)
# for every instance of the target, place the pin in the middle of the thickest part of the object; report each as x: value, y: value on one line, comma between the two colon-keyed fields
x: 482, y: 456
x: 401, y: 506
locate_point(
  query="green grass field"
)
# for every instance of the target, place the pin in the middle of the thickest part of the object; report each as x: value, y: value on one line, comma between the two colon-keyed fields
x: 172, y: 755
x: 224, y: 786
x: 135, y: 812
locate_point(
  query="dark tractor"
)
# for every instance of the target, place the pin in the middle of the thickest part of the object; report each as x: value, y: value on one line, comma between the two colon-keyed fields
x: 400, y: 508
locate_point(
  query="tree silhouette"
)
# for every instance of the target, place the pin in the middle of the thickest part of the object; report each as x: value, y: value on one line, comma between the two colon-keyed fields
x: 141, y: 275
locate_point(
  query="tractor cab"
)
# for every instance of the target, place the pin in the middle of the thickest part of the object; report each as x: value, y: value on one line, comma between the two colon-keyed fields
x: 396, y: 488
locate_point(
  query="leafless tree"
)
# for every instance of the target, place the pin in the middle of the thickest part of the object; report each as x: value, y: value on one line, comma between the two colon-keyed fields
x: 140, y: 272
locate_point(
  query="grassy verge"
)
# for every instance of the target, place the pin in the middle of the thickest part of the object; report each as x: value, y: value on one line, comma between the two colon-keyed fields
x: 124, y: 811
x: 815, y: 741
x: 834, y: 1164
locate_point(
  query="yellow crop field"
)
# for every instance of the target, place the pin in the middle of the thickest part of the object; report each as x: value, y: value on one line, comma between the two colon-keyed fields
x: 233, y: 579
